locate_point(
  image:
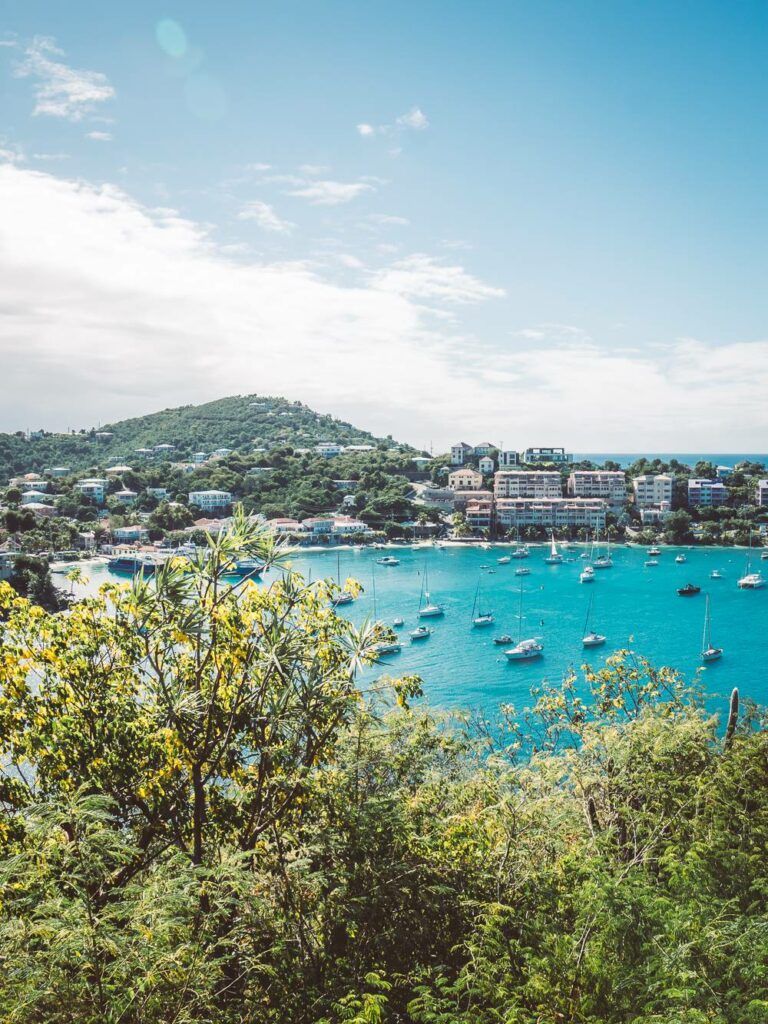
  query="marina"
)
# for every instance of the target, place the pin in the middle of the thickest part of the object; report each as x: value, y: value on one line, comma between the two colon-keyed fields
x: 639, y: 608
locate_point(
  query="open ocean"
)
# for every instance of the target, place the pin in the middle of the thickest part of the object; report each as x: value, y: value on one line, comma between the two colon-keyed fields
x: 633, y: 605
x: 626, y: 459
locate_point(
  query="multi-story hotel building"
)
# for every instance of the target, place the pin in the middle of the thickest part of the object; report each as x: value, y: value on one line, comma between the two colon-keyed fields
x: 653, y: 491
x: 762, y: 492
x: 210, y: 500
x: 551, y: 513
x: 520, y: 483
x: 610, y: 485
x: 706, y: 493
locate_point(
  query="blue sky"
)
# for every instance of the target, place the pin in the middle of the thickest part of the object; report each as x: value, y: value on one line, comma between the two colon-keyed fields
x: 539, y: 221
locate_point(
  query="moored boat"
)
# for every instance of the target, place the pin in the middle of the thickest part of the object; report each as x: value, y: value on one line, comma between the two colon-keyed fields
x: 420, y: 633
x: 689, y: 590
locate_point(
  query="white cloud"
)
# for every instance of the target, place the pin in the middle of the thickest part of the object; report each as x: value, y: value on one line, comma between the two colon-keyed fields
x: 331, y: 193
x: 108, y: 309
x: 415, y: 119
x: 62, y: 91
x: 312, y: 170
x: 387, y: 220
x: 422, y: 277
x: 265, y: 217
x: 99, y: 136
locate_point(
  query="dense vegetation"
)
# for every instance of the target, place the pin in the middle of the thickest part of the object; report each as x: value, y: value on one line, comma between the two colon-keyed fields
x: 204, y: 819
x: 242, y: 421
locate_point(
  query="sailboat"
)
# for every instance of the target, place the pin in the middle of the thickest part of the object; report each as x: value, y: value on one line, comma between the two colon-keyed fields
x: 751, y: 580
x: 591, y: 638
x: 521, y: 551
x: 343, y: 597
x: 383, y: 646
x: 604, y: 560
x: 524, y: 650
x: 481, y: 618
x: 554, y: 557
x: 428, y: 610
x: 708, y: 652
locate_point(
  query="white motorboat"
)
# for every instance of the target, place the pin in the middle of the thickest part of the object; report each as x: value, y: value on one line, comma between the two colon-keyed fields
x: 681, y: 559
x: 525, y: 650
x: 653, y: 552
x: 420, y: 633
x: 708, y: 651
x: 715, y: 575
x: 398, y: 623
x: 388, y: 560
x: 651, y: 561
x: 587, y: 575
x: 504, y: 560
x: 554, y: 557
x: 523, y: 571
x: 387, y: 647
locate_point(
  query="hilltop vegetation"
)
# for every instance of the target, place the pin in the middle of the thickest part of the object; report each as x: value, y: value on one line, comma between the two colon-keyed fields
x: 238, y: 422
x: 204, y: 818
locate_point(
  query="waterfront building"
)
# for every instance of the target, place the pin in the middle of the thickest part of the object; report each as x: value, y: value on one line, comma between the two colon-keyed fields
x: 652, y: 491
x: 210, y: 500
x: 706, y: 493
x: 479, y: 512
x: 436, y: 494
x: 610, y: 485
x: 557, y: 455
x: 654, y: 516
x: 467, y: 479
x: 130, y: 534
x: 522, y: 483
x: 551, y: 513
x: 283, y: 526
x: 762, y: 493
x: 461, y: 499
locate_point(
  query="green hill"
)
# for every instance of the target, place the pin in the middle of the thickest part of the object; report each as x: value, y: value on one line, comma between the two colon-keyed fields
x: 240, y: 422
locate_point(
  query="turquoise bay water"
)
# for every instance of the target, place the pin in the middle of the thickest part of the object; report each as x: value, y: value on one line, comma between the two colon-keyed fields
x: 633, y: 605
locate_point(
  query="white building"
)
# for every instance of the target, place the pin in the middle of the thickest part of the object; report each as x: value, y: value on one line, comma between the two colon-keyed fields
x: 556, y: 455
x: 706, y: 493
x: 465, y: 480
x: 486, y: 465
x: 762, y: 492
x: 508, y: 458
x: 653, y: 491
x: 521, y: 483
x: 199, y: 457
x: 117, y: 470
x: 460, y: 453
x: 610, y: 485
x: 328, y: 450
x: 93, y: 487
x: 130, y: 534
x: 551, y: 513
x: 125, y: 496
x: 56, y: 471
x: 209, y: 500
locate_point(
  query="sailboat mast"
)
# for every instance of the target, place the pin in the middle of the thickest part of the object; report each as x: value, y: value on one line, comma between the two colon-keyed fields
x: 589, y: 612
x: 520, y: 616
x: 706, y: 640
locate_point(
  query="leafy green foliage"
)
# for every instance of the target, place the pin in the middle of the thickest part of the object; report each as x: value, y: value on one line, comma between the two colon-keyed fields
x: 212, y: 810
